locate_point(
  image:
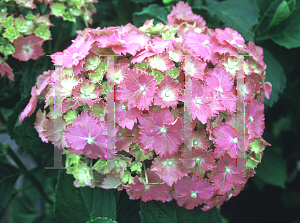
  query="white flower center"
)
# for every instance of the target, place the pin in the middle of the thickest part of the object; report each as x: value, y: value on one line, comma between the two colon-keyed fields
x: 195, y: 142
x: 90, y: 140
x: 117, y: 76
x: 163, y: 130
x: 234, y: 141
x: 75, y: 55
x: 197, y: 159
x: 243, y: 89
x: 250, y: 119
x: 123, y: 107
x: 121, y: 41
x: 230, y: 66
x: 167, y: 94
x: 233, y: 42
x: 206, y: 42
x: 142, y: 88
x: 198, y: 101
x: 219, y: 90
x: 170, y: 163
x: 227, y: 169
x: 194, y: 194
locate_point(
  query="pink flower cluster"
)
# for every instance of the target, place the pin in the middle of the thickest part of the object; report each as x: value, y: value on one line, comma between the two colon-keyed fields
x: 156, y: 80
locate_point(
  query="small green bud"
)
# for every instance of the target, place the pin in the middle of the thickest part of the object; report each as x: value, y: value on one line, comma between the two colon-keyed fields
x: 173, y: 73
x: 102, y: 166
x: 24, y: 26
x: 67, y: 16
x: 72, y: 158
x: 29, y: 16
x: 75, y: 12
x: 8, y: 22
x: 11, y: 33
x: 58, y: 9
x: 91, y: 62
x: 136, y: 167
x: 7, y: 49
x: 43, y: 32
x: 77, y: 3
x: 3, y: 10
x: 251, y: 162
x: 81, y: 173
x: 2, y: 40
x: 70, y: 116
x: 127, y: 178
x: 102, y: 65
x: 256, y: 147
x: 98, y: 110
x: 96, y: 76
x: 141, y: 65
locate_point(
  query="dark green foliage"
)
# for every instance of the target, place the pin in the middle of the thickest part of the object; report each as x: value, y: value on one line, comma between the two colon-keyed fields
x: 8, y: 177
x: 81, y: 204
x: 169, y: 212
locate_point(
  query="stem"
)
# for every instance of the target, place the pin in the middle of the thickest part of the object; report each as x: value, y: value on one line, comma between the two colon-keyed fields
x: 2, y: 118
x: 262, y: 38
x: 146, y: 177
x: 3, y: 131
x: 263, y: 17
x: 59, y: 36
x: 32, y: 178
x: 39, y: 9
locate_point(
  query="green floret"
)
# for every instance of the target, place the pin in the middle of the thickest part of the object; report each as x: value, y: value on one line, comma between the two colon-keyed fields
x: 11, y: 33
x: 43, y: 32
x: 58, y: 9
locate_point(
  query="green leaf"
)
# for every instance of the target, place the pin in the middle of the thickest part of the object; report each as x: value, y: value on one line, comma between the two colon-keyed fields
x: 8, y: 178
x: 272, y: 169
x: 291, y: 199
x: 82, y: 204
x: 239, y: 15
x: 258, y: 182
x: 127, y: 209
x: 170, y: 212
x: 27, y: 137
x: 142, y: 1
x: 275, y: 75
x: 197, y: 215
x: 169, y: 1
x: 283, y: 11
x: 22, y: 212
x: 101, y: 220
x: 153, y: 11
x: 287, y: 34
x: 283, y: 124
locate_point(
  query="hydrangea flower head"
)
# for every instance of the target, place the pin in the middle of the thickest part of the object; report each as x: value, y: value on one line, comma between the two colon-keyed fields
x: 164, y: 107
